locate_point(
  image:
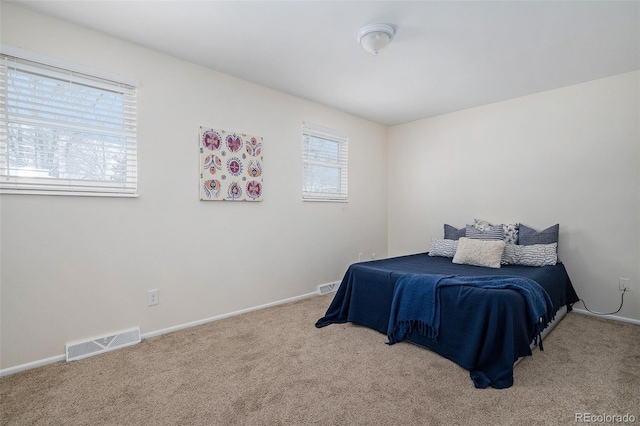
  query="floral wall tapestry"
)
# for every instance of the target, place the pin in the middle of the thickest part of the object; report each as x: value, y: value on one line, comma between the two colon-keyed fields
x: 230, y: 166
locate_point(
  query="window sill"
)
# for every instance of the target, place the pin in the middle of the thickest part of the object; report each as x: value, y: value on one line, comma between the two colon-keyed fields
x: 68, y: 193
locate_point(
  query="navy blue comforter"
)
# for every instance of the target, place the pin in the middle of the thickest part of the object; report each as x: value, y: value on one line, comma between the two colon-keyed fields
x: 483, y: 330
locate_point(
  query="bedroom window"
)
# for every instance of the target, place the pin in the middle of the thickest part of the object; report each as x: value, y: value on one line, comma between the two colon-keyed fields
x: 324, y: 164
x: 64, y: 132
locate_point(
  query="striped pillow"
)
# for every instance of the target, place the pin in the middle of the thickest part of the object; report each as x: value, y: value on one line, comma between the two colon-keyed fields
x: 489, y: 233
x: 510, y: 230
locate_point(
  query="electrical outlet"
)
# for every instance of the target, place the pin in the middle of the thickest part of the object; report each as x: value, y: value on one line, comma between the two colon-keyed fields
x: 373, y: 255
x: 153, y: 297
x: 360, y: 255
x: 623, y: 284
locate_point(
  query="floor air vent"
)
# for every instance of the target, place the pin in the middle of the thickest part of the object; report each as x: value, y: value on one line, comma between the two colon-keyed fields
x: 328, y: 288
x: 103, y: 344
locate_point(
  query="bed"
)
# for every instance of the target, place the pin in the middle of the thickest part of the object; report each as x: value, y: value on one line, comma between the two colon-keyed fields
x: 483, y: 330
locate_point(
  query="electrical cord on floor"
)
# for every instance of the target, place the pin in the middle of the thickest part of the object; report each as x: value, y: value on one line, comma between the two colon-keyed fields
x: 603, y: 313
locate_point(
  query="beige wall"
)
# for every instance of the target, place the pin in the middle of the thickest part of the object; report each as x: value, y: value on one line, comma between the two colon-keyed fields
x: 74, y: 267
x: 569, y: 156
x: 79, y: 267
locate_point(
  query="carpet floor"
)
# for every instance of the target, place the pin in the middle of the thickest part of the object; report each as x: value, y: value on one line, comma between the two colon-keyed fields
x: 273, y: 367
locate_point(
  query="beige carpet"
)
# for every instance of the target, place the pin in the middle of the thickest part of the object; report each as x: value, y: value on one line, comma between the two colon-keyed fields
x: 273, y: 367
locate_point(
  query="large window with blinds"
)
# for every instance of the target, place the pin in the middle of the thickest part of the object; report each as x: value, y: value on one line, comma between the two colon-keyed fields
x: 324, y: 164
x: 65, y: 132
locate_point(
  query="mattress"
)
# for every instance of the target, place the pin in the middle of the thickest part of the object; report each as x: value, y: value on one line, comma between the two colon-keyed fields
x: 483, y: 331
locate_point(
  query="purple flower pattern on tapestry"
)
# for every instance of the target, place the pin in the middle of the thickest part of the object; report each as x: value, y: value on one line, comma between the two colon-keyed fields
x: 254, y: 189
x: 227, y: 171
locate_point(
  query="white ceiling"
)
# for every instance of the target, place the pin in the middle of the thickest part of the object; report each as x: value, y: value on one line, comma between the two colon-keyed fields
x: 446, y: 56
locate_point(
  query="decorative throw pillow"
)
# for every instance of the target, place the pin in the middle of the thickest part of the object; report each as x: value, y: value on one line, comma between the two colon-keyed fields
x: 510, y: 231
x: 533, y: 255
x: 451, y: 233
x: 491, y: 233
x: 481, y: 225
x: 479, y: 252
x: 529, y: 236
x: 443, y: 248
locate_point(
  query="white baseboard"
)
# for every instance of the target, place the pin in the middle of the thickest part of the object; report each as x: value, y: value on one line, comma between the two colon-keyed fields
x: 57, y: 358
x: 610, y: 317
x: 30, y: 365
x: 230, y: 314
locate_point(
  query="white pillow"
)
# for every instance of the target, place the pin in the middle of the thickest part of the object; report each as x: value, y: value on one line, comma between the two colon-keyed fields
x: 534, y: 255
x: 479, y: 252
x: 443, y: 248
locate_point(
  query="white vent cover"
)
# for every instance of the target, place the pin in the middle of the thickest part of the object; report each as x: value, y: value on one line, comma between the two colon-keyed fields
x: 76, y: 351
x: 328, y: 288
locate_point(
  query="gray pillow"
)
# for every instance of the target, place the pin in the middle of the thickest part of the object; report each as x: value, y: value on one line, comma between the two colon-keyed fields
x: 451, y: 233
x: 529, y: 236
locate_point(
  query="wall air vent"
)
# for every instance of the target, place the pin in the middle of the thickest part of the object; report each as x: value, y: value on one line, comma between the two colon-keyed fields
x: 328, y: 288
x: 76, y: 351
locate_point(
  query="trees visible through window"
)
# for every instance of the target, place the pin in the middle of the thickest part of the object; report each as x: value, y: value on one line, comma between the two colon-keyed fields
x: 65, y: 132
x: 324, y: 164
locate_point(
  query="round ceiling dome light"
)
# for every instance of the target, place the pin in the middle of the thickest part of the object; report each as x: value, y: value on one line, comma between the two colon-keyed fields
x: 375, y: 37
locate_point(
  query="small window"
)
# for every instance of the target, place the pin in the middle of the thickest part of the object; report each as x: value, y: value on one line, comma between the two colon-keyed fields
x: 63, y: 132
x: 324, y: 164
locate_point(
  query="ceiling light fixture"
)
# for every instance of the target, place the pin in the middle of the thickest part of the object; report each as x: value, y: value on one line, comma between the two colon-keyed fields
x: 375, y: 37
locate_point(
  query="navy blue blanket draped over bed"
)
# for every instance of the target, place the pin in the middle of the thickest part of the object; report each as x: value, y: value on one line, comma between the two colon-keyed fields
x: 483, y: 330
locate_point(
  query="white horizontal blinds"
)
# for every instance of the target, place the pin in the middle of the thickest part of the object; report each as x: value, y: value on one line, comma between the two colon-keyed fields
x: 3, y: 120
x: 63, y: 131
x: 324, y: 164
